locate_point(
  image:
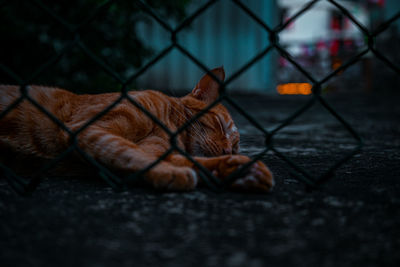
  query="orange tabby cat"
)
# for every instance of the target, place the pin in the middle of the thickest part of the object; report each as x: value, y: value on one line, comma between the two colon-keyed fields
x: 127, y: 140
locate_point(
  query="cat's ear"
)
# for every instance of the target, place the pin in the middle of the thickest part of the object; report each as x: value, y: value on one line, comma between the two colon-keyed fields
x: 207, y: 89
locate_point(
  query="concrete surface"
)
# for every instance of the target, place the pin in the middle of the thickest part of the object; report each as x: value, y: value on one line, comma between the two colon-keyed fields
x: 353, y: 221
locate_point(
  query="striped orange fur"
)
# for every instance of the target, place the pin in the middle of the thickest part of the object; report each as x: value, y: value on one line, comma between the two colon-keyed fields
x: 127, y: 140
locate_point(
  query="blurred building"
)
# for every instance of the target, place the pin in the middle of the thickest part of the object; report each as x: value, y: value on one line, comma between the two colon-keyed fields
x: 323, y: 38
x: 321, y: 26
x: 223, y: 35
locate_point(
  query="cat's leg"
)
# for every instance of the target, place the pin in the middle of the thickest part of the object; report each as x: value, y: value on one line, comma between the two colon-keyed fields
x: 119, y: 153
x: 257, y: 178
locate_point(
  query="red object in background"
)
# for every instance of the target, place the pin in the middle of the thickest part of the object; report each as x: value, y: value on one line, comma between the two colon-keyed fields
x: 334, y: 48
x: 380, y: 3
x: 321, y: 45
x: 335, y: 24
x: 336, y: 21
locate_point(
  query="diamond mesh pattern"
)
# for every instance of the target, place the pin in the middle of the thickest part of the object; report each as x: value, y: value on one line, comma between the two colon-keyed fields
x: 24, y: 186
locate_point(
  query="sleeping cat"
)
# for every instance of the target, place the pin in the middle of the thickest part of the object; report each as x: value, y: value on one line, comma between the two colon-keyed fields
x: 127, y: 140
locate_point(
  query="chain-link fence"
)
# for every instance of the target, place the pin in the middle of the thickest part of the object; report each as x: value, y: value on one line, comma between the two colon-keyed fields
x: 23, y: 185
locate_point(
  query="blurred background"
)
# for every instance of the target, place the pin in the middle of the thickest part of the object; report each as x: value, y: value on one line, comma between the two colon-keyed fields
x: 79, y: 222
x: 124, y: 38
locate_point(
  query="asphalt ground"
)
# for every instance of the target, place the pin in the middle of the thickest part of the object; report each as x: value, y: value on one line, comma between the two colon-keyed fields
x: 351, y: 221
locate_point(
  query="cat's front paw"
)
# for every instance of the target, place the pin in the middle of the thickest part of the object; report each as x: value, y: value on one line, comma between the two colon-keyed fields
x: 258, y: 179
x: 171, y: 178
x: 228, y: 164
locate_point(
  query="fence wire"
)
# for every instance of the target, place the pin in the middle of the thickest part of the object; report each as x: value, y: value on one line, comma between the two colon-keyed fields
x: 24, y: 186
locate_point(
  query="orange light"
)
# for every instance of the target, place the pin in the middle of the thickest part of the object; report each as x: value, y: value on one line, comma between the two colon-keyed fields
x: 336, y: 65
x: 294, y: 89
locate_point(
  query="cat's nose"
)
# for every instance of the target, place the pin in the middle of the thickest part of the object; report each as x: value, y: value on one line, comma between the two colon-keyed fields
x: 227, y: 150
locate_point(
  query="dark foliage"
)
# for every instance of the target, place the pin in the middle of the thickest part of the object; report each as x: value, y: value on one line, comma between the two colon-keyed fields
x: 31, y: 36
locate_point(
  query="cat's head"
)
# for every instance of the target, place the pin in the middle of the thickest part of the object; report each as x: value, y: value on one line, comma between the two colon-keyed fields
x: 214, y: 133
